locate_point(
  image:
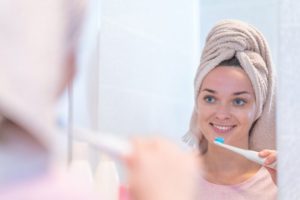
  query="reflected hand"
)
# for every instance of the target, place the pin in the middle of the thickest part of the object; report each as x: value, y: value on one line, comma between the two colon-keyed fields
x: 271, y: 157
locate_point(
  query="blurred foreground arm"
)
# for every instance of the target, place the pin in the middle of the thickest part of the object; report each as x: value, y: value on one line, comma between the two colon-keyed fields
x: 159, y: 170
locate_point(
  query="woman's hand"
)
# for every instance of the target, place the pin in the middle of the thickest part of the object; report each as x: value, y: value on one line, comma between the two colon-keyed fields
x: 271, y: 157
x: 159, y: 170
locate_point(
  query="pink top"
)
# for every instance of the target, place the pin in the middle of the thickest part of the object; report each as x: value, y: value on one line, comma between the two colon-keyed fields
x: 260, y: 186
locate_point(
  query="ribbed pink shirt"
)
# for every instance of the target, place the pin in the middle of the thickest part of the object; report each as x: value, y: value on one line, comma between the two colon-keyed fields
x: 258, y: 187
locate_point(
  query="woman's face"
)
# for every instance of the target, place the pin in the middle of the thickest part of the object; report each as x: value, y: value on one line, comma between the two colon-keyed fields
x: 226, y: 105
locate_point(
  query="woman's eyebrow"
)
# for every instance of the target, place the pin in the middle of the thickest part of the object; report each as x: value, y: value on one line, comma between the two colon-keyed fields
x: 209, y: 90
x: 214, y: 92
x: 242, y: 92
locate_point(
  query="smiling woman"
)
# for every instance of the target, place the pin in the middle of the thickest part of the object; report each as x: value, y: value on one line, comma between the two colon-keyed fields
x: 227, y: 106
x: 234, y: 95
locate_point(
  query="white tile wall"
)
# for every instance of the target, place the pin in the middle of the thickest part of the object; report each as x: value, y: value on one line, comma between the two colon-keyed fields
x: 136, y: 65
x: 288, y: 101
x: 147, y: 59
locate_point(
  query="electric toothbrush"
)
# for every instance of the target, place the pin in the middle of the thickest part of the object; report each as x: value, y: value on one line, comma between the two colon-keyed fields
x: 249, y: 154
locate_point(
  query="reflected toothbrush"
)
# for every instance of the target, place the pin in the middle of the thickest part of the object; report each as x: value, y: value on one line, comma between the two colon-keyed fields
x: 249, y: 154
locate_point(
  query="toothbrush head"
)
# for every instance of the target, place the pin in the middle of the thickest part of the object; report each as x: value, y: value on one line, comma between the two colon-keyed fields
x: 219, y: 139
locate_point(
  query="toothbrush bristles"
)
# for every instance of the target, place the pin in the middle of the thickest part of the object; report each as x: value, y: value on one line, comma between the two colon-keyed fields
x: 219, y: 139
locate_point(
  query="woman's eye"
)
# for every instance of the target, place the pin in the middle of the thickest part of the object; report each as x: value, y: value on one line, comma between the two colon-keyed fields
x: 239, y: 102
x: 209, y: 99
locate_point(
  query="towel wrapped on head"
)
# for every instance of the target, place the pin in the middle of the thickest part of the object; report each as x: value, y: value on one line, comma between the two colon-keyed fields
x: 226, y: 40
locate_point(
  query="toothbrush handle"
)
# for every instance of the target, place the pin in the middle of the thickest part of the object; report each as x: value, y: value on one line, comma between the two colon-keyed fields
x: 249, y: 154
x: 253, y: 155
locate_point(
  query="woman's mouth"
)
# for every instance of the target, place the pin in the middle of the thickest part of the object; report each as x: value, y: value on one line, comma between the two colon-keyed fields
x: 218, y: 128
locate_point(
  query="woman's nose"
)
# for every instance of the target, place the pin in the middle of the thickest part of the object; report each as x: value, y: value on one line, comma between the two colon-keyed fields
x: 223, y: 112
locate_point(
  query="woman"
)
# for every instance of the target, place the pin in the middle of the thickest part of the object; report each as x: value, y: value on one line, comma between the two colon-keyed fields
x: 234, y: 95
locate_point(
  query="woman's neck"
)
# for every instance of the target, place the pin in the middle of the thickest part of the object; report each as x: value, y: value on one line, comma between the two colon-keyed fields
x: 21, y: 156
x: 222, y: 166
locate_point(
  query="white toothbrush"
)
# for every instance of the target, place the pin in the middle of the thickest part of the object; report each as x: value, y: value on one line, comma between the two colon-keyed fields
x: 108, y: 143
x: 249, y: 154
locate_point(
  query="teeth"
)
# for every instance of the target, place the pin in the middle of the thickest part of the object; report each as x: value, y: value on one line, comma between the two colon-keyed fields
x: 223, y: 128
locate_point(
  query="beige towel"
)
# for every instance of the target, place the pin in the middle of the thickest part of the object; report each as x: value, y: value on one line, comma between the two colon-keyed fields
x: 233, y: 38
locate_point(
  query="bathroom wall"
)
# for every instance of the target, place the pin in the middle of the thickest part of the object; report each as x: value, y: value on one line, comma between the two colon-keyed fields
x: 139, y: 79
x: 288, y: 100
